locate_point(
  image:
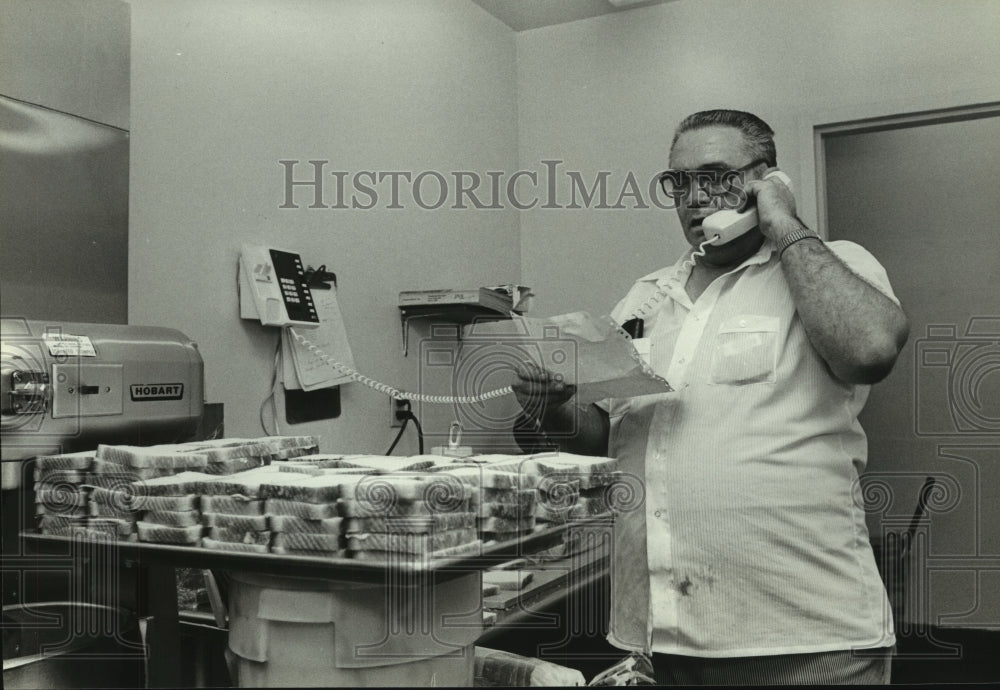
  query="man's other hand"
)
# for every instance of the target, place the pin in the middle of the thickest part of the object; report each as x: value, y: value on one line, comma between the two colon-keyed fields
x: 539, y: 391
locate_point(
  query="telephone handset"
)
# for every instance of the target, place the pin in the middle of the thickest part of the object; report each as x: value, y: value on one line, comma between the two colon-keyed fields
x: 728, y: 224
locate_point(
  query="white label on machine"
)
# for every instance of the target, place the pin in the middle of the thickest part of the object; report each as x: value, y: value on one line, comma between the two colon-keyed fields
x: 63, y: 345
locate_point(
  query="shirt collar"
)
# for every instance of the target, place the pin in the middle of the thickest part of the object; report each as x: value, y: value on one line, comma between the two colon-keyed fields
x: 675, y: 271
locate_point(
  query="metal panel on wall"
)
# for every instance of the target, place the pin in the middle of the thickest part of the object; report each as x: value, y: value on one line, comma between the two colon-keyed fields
x: 63, y: 216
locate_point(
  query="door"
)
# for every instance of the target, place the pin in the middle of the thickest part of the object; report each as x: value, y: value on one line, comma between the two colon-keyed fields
x: 922, y: 195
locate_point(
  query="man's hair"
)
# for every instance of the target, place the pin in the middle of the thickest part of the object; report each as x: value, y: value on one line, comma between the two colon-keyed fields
x: 757, y: 134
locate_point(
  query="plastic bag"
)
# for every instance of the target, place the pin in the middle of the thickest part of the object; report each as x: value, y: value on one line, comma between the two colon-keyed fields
x: 635, y: 669
x: 496, y: 668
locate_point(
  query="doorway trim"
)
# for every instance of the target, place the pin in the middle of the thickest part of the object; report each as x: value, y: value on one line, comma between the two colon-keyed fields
x: 815, y: 127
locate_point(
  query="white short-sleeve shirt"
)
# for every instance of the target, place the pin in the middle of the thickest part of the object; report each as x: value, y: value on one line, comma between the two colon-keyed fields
x: 752, y: 537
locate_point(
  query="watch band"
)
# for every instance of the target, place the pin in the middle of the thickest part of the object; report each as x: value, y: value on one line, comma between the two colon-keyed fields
x: 793, y: 237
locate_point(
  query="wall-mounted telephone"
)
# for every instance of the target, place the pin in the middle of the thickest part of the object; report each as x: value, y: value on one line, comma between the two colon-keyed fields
x: 728, y: 224
x: 274, y: 289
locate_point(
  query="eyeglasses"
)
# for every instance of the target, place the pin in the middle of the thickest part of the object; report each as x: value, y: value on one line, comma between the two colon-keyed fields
x: 714, y: 181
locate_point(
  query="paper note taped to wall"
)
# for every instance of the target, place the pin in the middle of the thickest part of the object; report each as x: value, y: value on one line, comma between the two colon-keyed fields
x: 592, y: 353
x: 303, y: 369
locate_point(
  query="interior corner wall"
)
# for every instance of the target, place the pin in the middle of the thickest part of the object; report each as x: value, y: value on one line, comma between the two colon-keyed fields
x: 224, y: 90
x: 67, y: 55
x: 604, y: 95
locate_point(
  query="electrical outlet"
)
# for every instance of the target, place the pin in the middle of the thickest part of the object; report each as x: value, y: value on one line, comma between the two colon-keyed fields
x: 394, y: 407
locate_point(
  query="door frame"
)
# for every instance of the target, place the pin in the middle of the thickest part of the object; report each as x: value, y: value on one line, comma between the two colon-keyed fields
x: 815, y: 131
x: 814, y: 127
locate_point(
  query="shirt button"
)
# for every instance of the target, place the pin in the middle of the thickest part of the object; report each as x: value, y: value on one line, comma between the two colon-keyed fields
x: 680, y: 361
x: 657, y: 513
x: 743, y: 324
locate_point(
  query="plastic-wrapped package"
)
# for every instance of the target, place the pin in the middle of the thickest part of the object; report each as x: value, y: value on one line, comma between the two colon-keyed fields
x: 635, y: 669
x: 495, y: 668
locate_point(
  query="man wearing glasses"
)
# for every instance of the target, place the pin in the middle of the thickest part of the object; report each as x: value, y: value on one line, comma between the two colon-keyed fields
x: 749, y: 562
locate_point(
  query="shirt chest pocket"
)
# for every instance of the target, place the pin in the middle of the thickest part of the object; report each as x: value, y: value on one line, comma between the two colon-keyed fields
x: 745, y: 350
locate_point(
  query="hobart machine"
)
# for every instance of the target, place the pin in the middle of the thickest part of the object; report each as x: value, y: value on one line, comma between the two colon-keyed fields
x: 67, y: 387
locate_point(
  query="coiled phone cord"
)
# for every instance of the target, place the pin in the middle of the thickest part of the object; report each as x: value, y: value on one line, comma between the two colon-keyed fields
x: 658, y: 296
x: 468, y: 399
x: 395, y: 392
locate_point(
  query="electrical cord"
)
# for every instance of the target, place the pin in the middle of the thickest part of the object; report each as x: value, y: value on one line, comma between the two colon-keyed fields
x: 407, y: 416
x: 420, y: 431
x: 399, y: 435
x: 272, y: 396
x: 395, y: 392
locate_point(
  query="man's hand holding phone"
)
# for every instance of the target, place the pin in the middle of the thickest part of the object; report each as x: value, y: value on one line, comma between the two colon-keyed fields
x: 772, y: 195
x: 775, y: 203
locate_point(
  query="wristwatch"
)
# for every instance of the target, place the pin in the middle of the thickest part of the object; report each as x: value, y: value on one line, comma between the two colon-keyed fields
x: 793, y: 237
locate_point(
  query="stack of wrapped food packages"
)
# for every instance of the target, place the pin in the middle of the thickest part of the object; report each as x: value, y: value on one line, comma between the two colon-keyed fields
x: 228, y: 456
x: 169, y: 508
x: 278, y: 495
x: 302, y: 508
x: 233, y: 513
x: 249, y: 509
x: 576, y: 488
x: 408, y: 516
x: 371, y: 508
x: 61, y: 500
x: 118, y: 470
x: 104, y: 491
x: 503, y: 498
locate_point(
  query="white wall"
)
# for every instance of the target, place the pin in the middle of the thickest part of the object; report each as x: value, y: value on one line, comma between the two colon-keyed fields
x: 223, y: 90
x: 606, y: 93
